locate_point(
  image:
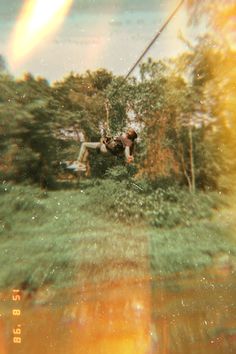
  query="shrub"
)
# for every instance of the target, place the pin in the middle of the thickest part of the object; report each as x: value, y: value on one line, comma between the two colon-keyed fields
x: 129, y: 202
x: 120, y: 172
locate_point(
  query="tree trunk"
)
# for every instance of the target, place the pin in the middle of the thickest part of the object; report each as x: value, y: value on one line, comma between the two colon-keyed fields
x: 181, y: 150
x: 192, y: 167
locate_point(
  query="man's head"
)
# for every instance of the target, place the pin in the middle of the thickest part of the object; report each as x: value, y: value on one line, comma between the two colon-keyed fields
x: 131, y: 134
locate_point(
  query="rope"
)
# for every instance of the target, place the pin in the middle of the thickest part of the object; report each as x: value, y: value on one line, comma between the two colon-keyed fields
x: 150, y: 45
x: 157, y: 35
x: 154, y: 39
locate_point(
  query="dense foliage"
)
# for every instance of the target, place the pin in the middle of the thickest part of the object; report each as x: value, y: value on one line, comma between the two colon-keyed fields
x: 133, y: 202
x: 182, y: 109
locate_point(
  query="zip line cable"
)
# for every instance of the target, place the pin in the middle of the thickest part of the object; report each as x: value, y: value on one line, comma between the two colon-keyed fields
x: 154, y: 39
x: 150, y: 44
x: 157, y: 35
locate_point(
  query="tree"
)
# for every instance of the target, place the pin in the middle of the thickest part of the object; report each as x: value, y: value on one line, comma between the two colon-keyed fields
x: 28, y: 144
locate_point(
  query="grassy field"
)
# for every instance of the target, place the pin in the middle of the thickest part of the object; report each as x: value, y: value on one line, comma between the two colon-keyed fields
x: 62, y: 238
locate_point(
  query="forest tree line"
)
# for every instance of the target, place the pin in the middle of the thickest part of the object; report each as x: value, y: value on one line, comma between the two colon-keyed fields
x: 183, y: 108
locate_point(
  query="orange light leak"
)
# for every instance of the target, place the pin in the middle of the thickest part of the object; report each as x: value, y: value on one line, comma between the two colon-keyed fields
x: 37, y: 21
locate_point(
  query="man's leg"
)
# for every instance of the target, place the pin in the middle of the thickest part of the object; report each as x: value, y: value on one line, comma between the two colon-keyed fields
x: 80, y: 163
x: 83, y: 154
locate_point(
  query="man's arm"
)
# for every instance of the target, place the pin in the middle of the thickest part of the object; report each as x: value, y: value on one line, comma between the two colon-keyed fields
x: 129, y: 158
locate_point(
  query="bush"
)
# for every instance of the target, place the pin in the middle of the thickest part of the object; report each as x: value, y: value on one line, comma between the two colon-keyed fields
x: 100, y: 163
x: 120, y: 173
x: 131, y: 201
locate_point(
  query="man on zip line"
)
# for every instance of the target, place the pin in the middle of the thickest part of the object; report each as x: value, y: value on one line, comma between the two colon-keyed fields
x: 118, y: 146
x: 124, y: 143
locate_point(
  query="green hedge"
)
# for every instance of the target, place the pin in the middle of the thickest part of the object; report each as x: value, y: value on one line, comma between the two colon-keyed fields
x: 131, y: 201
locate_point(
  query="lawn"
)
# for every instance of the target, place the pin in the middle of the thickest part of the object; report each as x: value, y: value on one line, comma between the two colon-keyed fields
x: 62, y: 238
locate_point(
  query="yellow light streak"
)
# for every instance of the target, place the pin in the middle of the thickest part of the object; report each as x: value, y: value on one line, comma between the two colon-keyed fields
x: 38, y: 20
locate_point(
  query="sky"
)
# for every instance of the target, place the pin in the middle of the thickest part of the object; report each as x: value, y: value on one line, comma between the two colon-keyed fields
x: 95, y: 34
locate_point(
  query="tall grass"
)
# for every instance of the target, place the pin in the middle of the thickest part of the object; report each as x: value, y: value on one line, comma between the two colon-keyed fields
x: 67, y: 237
